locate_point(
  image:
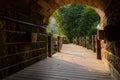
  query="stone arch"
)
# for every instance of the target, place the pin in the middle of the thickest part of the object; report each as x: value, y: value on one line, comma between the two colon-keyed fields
x: 97, y: 5
x: 105, y: 8
x: 38, y: 12
x: 47, y: 7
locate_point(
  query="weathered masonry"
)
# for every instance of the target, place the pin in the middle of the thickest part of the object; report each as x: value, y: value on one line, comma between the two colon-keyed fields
x: 23, y: 35
x: 22, y: 38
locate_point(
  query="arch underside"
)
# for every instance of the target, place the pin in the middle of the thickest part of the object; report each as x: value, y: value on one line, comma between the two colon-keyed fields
x: 108, y: 10
x: 47, y: 7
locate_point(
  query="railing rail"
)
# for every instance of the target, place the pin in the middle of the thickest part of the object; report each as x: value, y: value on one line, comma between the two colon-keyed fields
x: 21, y: 22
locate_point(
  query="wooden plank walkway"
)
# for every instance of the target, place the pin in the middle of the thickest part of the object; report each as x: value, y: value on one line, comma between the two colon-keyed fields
x: 73, y: 63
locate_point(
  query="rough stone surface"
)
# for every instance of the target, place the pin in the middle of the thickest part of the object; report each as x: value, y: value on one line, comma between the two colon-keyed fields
x: 20, y: 45
x: 39, y: 11
x: 111, y: 53
x: 73, y: 63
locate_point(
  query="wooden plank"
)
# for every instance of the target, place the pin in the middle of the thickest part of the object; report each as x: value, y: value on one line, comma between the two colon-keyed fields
x: 75, y: 63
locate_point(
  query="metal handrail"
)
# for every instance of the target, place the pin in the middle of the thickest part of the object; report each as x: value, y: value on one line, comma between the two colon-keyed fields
x: 21, y: 22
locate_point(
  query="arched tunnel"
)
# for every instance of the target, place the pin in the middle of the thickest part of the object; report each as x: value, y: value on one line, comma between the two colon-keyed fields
x: 23, y: 32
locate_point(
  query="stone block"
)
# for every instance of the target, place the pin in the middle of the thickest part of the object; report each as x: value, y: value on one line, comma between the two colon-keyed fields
x: 34, y: 37
x: 14, y: 59
x: 2, y: 24
x: 12, y: 48
x: 3, y: 50
x: 117, y: 48
x: 112, y: 63
x: 14, y: 69
x: 3, y: 62
x: 3, y: 36
x: 3, y: 73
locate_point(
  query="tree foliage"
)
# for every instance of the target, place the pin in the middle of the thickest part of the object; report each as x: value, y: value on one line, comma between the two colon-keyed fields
x: 75, y: 20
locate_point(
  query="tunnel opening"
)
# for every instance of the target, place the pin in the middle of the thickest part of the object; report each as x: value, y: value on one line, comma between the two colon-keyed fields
x: 73, y: 21
x: 38, y: 12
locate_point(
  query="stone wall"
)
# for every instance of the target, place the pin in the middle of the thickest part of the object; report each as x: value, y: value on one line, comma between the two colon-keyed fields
x: 111, y: 50
x: 111, y: 57
x: 20, y: 45
x: 111, y: 43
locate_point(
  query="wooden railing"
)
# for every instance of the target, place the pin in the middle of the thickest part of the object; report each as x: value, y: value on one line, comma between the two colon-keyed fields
x: 21, y: 22
x: 89, y: 42
x: 57, y: 44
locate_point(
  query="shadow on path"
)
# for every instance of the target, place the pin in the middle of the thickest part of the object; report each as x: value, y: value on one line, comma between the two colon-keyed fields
x: 73, y: 63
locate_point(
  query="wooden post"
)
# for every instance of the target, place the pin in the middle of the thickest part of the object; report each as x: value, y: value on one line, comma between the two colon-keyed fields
x: 79, y: 41
x: 49, y: 46
x: 93, y: 43
x: 98, y: 48
x: 73, y: 40
x: 76, y: 40
x: 90, y: 42
x: 87, y: 42
x: 83, y: 41
x: 101, y: 34
x: 58, y: 45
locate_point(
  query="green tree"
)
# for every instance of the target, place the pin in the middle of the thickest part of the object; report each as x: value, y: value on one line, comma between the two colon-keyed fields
x: 76, y: 20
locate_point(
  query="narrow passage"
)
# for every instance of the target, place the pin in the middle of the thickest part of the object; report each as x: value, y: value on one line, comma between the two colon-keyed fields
x: 73, y: 63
